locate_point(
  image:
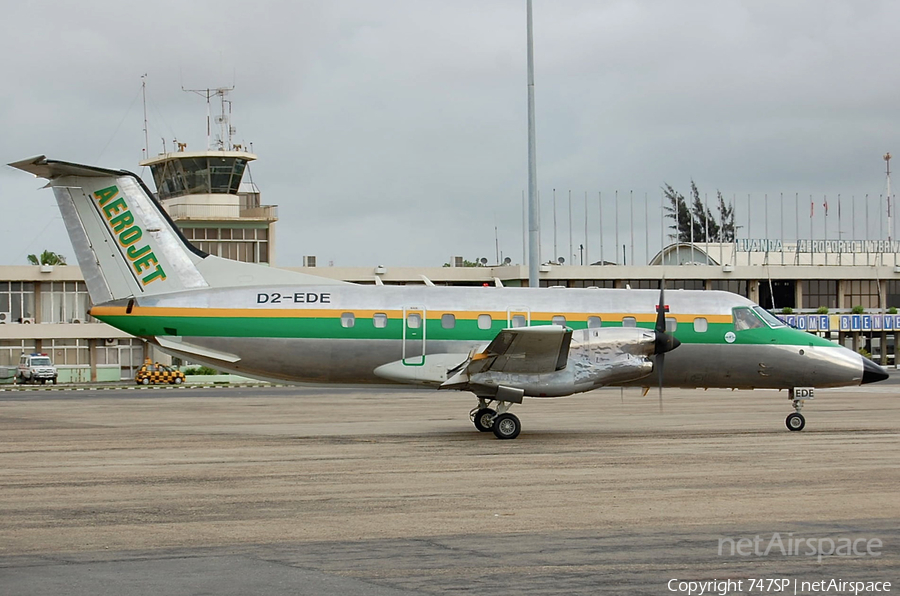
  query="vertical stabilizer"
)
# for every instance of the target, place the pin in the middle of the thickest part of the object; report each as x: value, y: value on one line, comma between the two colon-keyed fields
x: 125, y: 243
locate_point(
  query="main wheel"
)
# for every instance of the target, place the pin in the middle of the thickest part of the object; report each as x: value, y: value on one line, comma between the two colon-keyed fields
x: 146, y: 381
x: 484, y: 419
x: 506, y: 426
x: 795, y: 421
x: 178, y: 380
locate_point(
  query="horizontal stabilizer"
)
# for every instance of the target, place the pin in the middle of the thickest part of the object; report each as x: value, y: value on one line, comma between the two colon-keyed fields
x: 169, y: 343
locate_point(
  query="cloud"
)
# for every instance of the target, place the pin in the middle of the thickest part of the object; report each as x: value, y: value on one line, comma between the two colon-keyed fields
x: 396, y: 132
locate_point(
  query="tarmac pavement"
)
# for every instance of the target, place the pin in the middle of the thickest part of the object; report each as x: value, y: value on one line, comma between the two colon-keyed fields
x: 342, y: 491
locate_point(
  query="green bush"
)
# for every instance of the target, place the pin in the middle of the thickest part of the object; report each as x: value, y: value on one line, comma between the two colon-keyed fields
x: 822, y: 310
x: 892, y: 310
x: 864, y: 353
x: 787, y: 310
x: 858, y: 310
x: 200, y: 370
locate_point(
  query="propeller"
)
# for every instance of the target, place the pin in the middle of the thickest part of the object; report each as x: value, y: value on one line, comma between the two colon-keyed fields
x: 664, y: 342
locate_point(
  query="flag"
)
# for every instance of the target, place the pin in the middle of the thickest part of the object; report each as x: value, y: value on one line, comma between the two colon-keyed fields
x: 812, y: 208
x: 826, y: 206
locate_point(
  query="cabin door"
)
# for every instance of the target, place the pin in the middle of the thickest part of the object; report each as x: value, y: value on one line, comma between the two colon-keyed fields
x: 518, y: 317
x: 413, y: 336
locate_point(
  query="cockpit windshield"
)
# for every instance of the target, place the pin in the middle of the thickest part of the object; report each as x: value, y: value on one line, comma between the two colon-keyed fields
x: 754, y: 318
x: 745, y: 318
x: 770, y: 319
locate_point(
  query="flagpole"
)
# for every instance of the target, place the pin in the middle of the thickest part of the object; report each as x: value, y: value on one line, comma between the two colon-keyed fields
x: 617, y: 227
x: 600, y: 211
x: 587, y: 252
x: 825, y: 202
x: 631, y: 221
x: 812, y: 242
x: 781, y: 226
x: 797, y: 228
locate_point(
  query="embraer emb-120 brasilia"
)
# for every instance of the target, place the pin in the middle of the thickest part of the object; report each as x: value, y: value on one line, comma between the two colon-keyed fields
x: 502, y: 344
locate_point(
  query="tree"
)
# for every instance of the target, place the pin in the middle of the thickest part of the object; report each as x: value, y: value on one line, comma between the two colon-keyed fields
x: 696, y: 223
x: 48, y: 257
x: 726, y: 220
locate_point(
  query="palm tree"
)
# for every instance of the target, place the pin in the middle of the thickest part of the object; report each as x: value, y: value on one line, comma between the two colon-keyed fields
x: 48, y: 257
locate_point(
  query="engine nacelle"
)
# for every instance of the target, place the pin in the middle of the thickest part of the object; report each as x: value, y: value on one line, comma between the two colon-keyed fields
x: 597, y: 357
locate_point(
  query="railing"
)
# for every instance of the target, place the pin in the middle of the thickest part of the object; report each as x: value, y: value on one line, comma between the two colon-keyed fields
x: 214, y: 211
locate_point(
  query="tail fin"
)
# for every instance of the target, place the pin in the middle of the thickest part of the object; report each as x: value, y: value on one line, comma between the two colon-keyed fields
x: 126, y: 244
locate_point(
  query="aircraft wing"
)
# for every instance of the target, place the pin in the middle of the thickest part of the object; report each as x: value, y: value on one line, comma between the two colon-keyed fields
x: 542, y: 349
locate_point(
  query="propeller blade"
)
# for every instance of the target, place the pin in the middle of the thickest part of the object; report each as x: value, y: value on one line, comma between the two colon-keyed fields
x: 660, y: 358
x: 661, y: 310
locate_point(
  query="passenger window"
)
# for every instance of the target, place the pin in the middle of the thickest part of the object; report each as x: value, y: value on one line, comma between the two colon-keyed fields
x: 594, y: 322
x: 629, y: 322
x: 448, y: 321
x: 348, y: 319
x: 484, y: 321
x: 558, y: 320
x: 701, y: 325
x: 519, y: 321
x: 379, y: 319
x: 671, y: 325
x: 413, y: 320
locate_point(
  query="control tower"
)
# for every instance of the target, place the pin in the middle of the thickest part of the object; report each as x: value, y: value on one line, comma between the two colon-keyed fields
x: 205, y: 194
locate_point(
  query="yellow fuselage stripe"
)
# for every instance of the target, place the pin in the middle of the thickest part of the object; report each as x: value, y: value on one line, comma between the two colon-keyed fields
x: 313, y: 313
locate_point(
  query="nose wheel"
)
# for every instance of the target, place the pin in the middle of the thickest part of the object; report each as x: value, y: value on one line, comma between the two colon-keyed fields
x: 795, y: 421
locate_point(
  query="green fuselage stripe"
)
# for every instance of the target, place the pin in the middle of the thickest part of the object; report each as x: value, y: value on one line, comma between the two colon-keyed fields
x: 364, y: 328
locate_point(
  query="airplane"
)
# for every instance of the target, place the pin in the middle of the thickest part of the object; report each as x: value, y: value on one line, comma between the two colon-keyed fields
x: 501, y: 344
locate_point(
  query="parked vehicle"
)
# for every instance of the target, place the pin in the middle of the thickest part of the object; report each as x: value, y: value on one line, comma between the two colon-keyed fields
x: 36, y: 368
x: 154, y: 372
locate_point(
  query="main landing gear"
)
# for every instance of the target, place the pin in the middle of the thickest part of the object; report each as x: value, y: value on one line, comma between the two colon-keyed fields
x: 795, y: 420
x: 504, y: 424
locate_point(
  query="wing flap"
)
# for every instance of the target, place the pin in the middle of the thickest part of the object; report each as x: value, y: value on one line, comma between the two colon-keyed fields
x: 535, y: 350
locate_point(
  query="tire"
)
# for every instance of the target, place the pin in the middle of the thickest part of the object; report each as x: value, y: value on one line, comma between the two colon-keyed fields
x: 54, y: 380
x: 178, y: 381
x: 795, y: 421
x: 484, y: 419
x: 506, y: 426
x: 145, y: 381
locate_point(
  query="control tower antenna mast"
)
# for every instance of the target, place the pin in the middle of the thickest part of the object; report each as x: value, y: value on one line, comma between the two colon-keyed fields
x: 223, y: 120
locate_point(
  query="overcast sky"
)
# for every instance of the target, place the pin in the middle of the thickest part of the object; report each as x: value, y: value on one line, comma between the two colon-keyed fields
x: 394, y: 133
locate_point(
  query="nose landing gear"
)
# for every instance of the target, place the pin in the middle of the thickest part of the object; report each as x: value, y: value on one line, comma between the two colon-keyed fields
x: 795, y: 420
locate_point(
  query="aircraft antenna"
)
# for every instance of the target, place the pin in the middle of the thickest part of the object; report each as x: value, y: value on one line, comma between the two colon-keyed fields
x: 533, y: 239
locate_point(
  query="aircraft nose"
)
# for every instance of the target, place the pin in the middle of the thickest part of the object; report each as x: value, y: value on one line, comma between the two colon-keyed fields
x: 872, y: 373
